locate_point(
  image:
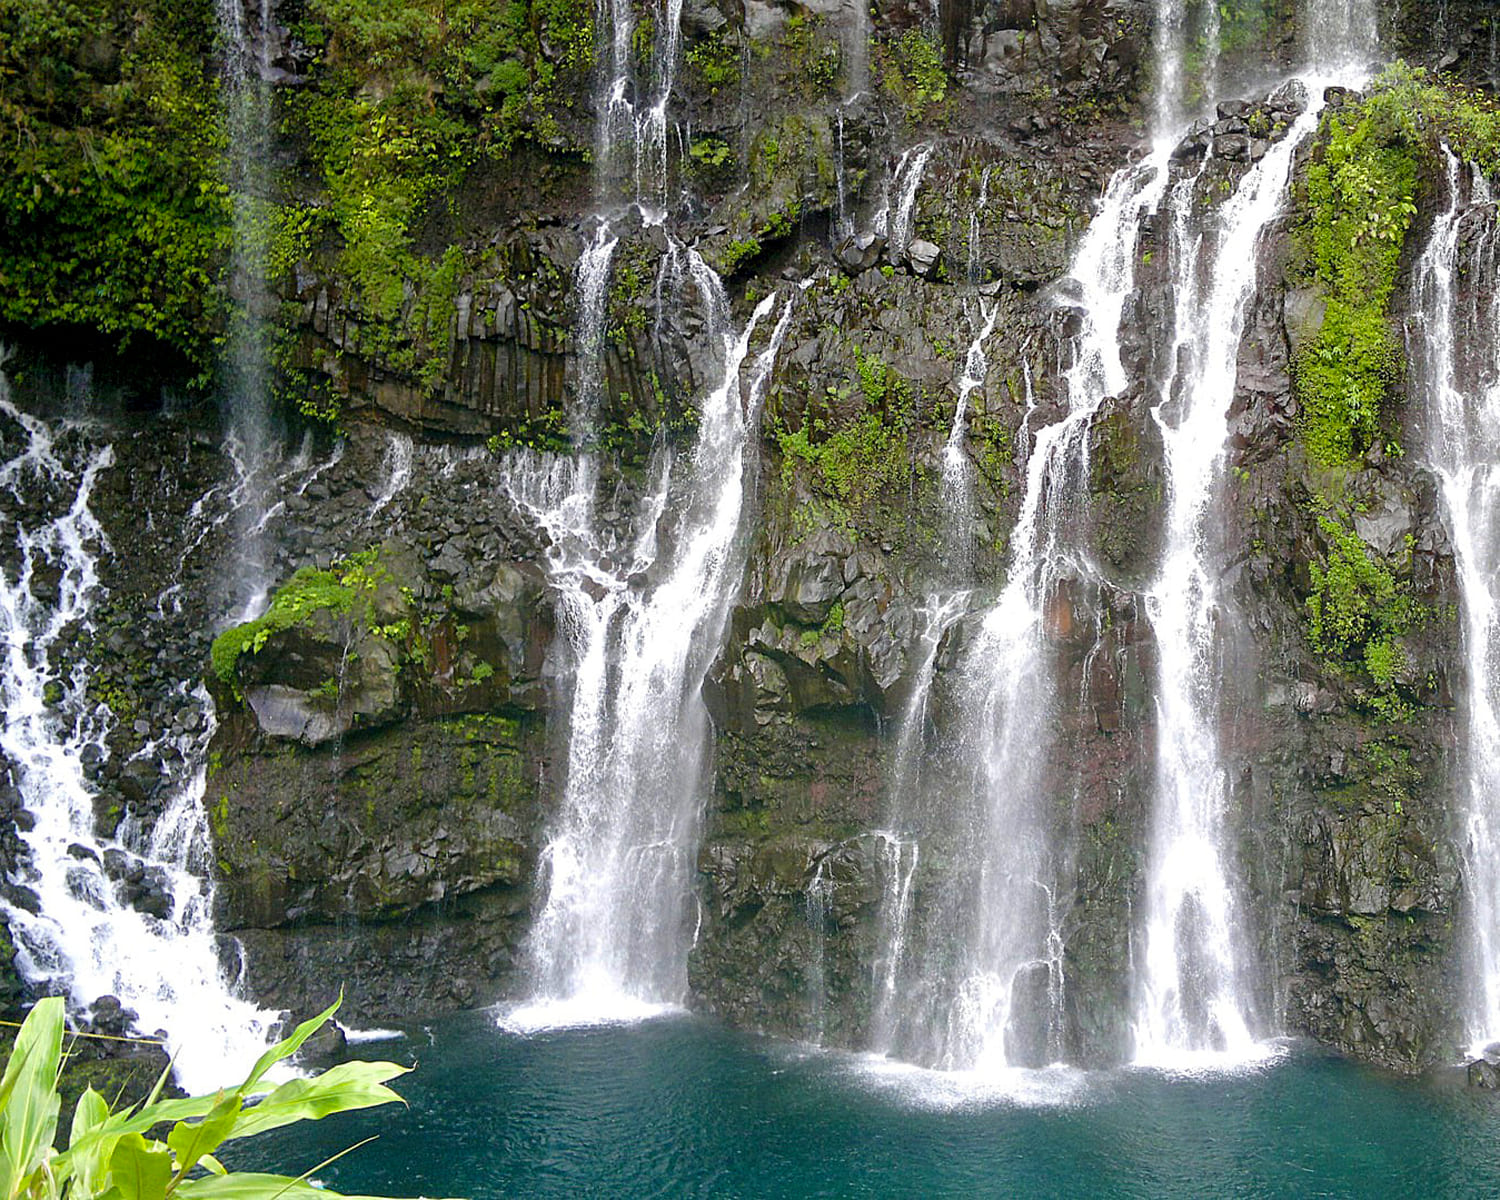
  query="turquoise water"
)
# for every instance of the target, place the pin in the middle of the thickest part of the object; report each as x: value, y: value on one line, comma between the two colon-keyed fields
x: 680, y: 1107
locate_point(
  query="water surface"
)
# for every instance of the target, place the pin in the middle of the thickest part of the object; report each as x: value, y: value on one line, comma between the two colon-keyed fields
x: 681, y: 1107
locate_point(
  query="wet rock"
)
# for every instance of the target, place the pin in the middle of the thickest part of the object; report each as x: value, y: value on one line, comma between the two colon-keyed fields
x: 860, y: 251
x: 327, y: 1047
x: 923, y: 257
x: 1233, y: 146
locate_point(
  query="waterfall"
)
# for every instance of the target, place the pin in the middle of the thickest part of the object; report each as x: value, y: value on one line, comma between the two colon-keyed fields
x: 246, y: 387
x: 818, y: 900
x: 1341, y: 35
x: 901, y: 849
x: 949, y: 1002
x: 399, y: 459
x: 973, y: 271
x: 958, y: 484
x: 1461, y: 399
x: 80, y: 936
x: 906, y: 180
x: 592, y: 282
x: 632, y: 113
x: 642, y: 625
x: 1194, y: 998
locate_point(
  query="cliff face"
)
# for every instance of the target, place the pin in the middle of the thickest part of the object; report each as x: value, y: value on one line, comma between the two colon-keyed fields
x: 388, y: 750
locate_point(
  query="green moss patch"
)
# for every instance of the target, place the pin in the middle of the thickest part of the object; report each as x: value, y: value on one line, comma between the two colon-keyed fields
x: 308, y: 592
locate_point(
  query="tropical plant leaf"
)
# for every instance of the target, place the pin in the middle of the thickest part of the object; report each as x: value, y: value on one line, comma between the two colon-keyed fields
x: 288, y: 1046
x: 349, y: 1085
x: 140, y: 1169
x: 247, y: 1185
x: 29, y: 1102
x: 190, y: 1142
x: 91, y: 1112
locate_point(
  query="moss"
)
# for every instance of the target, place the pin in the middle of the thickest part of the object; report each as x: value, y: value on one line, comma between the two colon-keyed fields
x: 914, y: 74
x: 861, y: 460
x: 737, y: 253
x: 714, y: 63
x: 1359, y: 199
x: 1359, y: 610
x: 308, y: 592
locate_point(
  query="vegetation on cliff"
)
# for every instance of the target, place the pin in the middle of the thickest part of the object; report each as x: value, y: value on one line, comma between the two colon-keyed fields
x: 1359, y: 202
x: 114, y: 217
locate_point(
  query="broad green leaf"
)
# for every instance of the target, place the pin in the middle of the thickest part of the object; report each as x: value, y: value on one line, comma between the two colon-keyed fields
x: 349, y: 1085
x: 190, y: 1142
x: 288, y: 1046
x: 140, y: 1169
x: 28, y: 1119
x: 246, y: 1185
x: 138, y: 1121
x: 92, y: 1112
x: 213, y: 1164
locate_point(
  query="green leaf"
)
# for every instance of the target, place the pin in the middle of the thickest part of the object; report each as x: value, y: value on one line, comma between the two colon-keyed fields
x: 288, y: 1046
x: 90, y: 1114
x: 191, y: 1141
x: 347, y: 1086
x: 28, y: 1094
x: 246, y: 1185
x: 140, y: 1169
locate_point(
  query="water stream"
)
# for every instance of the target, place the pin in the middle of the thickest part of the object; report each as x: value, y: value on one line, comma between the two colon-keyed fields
x: 1195, y: 996
x: 246, y: 381
x: 952, y: 1002
x: 1454, y: 337
x: 159, y: 955
x: 642, y: 623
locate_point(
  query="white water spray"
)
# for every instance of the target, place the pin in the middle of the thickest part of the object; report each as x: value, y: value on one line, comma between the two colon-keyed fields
x: 84, y: 939
x: 609, y: 942
x: 1462, y: 416
x: 954, y: 1003
x: 1195, y: 1001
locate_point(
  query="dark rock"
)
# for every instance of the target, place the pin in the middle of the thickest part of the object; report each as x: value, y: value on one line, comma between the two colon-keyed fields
x: 861, y: 251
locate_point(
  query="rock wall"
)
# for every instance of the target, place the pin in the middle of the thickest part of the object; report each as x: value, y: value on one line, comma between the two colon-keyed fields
x: 384, y: 766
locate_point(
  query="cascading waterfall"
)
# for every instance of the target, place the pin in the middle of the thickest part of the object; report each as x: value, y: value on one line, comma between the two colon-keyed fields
x: 951, y: 998
x: 593, y: 301
x: 958, y: 483
x: 632, y: 113
x: 1342, y: 36
x: 1462, y: 445
x: 82, y: 937
x: 246, y: 397
x: 901, y: 849
x: 818, y: 901
x: 1195, y: 1001
x: 610, y: 939
x: 907, y: 179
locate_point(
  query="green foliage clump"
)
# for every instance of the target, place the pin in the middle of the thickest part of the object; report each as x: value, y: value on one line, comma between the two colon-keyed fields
x: 859, y: 459
x: 113, y: 1155
x: 736, y: 253
x: 715, y: 63
x: 114, y: 215
x: 308, y: 592
x: 1359, y: 609
x: 405, y: 100
x: 1360, y: 199
x: 916, y: 76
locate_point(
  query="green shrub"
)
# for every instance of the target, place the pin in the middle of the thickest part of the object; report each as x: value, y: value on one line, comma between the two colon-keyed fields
x: 1359, y: 201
